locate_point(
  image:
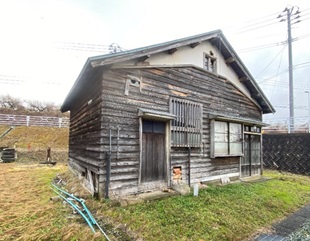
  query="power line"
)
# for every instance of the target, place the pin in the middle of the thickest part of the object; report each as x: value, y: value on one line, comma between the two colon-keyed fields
x: 297, y: 66
x: 263, y: 26
x: 256, y: 21
x: 301, y: 37
x: 265, y: 46
x: 308, y: 62
x: 303, y: 19
x: 277, y: 75
x: 89, y: 47
x: 271, y: 61
x: 82, y: 47
x: 259, y: 47
x: 260, y: 22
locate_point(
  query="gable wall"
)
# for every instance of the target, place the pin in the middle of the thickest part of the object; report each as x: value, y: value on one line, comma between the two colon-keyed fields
x: 120, y: 111
x: 194, y: 56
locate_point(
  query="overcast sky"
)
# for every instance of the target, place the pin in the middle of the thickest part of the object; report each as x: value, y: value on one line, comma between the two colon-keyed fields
x: 44, y: 44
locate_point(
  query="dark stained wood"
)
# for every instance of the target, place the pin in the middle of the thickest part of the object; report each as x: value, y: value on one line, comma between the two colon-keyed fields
x: 171, y: 51
x: 230, y: 60
x: 193, y: 45
x: 243, y: 78
x: 110, y: 108
x: 142, y: 58
x: 153, y: 153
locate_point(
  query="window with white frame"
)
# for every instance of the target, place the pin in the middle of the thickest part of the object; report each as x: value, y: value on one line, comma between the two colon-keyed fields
x: 186, y: 128
x: 209, y: 63
x: 227, y: 139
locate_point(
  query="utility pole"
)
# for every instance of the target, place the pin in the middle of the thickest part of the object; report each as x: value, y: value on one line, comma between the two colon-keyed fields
x: 290, y: 16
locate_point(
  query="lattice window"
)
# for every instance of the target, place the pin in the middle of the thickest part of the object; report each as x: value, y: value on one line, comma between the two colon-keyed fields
x: 187, y: 127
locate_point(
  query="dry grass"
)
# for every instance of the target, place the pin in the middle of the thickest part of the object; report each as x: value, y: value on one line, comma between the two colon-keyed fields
x: 35, y: 137
x: 26, y: 212
x: 31, y: 143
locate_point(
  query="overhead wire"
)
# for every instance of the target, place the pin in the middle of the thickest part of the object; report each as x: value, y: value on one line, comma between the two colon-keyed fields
x: 274, y: 20
x: 259, y: 47
x: 281, y: 51
x: 255, y: 20
x: 249, y: 25
x: 297, y: 66
x: 251, y: 29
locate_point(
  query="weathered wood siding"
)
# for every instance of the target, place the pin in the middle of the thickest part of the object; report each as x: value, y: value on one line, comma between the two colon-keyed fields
x: 158, y: 84
x: 85, y: 147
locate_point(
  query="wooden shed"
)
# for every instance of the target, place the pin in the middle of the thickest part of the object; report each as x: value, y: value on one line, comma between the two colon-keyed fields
x: 184, y: 111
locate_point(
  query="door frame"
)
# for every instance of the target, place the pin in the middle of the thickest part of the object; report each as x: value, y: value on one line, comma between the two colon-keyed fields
x: 167, y: 147
x: 261, y: 154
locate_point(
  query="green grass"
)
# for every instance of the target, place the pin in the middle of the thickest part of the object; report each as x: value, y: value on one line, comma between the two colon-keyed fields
x: 231, y: 212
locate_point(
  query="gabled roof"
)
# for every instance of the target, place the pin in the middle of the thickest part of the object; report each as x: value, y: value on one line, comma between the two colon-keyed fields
x: 216, y: 37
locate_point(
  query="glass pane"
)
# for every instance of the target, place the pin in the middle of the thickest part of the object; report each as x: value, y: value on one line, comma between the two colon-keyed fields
x: 235, y: 128
x: 153, y: 126
x: 255, y: 149
x: 246, y: 159
x: 221, y: 127
x: 236, y: 148
x: 147, y: 126
x: 235, y: 138
x: 159, y: 127
x: 221, y: 138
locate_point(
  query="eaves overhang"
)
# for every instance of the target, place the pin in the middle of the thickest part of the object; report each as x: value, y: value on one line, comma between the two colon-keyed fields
x: 215, y: 37
x: 236, y: 119
x: 155, y: 114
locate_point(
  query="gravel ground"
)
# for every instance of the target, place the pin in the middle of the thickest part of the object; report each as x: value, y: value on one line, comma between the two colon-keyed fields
x: 302, y: 234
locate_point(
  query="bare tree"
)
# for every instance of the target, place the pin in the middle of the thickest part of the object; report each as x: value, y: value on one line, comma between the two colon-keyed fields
x: 43, y: 107
x: 10, y: 103
x: 36, y: 106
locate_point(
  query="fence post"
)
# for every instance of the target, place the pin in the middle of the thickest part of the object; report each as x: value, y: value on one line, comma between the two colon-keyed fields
x: 27, y: 120
x: 59, y: 122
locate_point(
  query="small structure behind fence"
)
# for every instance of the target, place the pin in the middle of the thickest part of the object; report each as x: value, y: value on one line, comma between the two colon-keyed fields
x: 287, y: 125
x: 26, y: 120
x: 287, y: 152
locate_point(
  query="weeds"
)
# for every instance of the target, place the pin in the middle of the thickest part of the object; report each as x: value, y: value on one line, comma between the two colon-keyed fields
x: 230, y: 212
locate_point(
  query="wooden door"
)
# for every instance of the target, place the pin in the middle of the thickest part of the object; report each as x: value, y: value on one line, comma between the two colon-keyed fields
x: 251, y: 162
x: 153, y: 166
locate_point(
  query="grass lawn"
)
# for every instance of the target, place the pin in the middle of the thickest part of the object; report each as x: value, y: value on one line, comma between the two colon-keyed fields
x: 230, y: 212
